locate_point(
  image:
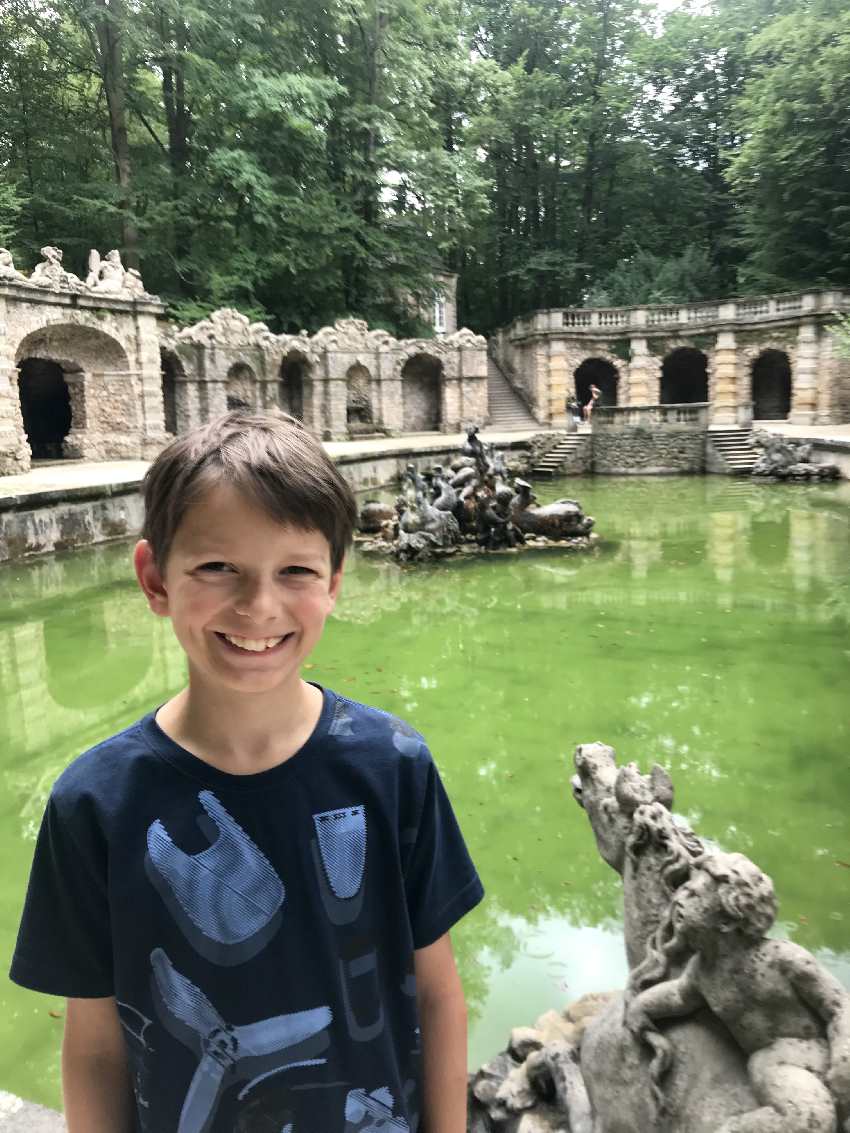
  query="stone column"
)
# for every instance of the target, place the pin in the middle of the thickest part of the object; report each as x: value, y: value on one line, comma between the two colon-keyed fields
x: 560, y: 382
x: 336, y: 396
x: 187, y: 403
x: 828, y: 379
x: 724, y: 395
x: 644, y: 374
x: 75, y: 444
x: 804, y: 393
x: 392, y: 395
x: 14, y: 449
x: 475, y: 408
x: 151, y: 412
x: 451, y: 398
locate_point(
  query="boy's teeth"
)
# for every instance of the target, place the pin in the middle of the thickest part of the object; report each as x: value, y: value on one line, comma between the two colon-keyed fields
x: 258, y: 645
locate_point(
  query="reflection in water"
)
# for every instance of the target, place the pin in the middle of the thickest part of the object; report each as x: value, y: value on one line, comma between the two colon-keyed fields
x: 707, y: 632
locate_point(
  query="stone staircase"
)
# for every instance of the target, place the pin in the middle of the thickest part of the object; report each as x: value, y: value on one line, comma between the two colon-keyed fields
x: 552, y: 463
x: 507, y: 410
x: 735, y: 447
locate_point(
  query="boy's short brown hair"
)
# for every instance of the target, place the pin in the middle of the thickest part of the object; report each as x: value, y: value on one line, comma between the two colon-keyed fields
x: 271, y: 458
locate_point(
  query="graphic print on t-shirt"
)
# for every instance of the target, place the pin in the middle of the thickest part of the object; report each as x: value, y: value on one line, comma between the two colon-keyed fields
x: 339, y: 858
x: 226, y: 900
x: 372, y: 1113
x: 228, y: 1053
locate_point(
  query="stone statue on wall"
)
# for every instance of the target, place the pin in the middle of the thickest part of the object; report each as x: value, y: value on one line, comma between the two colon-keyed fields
x: 8, y: 271
x: 720, y: 1030
x: 50, y: 273
x: 109, y: 276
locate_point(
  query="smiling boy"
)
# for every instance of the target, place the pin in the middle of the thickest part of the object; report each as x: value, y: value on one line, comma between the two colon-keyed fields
x: 246, y: 896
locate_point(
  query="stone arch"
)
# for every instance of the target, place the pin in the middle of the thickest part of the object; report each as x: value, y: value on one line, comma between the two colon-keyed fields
x: 241, y: 387
x: 421, y: 393
x: 770, y: 385
x: 684, y: 376
x: 599, y: 372
x: 295, y: 374
x: 171, y: 369
x: 359, y: 415
x: 67, y: 387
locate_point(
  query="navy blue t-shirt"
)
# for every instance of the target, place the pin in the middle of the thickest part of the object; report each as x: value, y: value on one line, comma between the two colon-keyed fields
x: 257, y: 931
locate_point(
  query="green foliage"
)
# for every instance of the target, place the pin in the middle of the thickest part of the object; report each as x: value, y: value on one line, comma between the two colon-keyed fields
x: 649, y: 278
x: 303, y: 162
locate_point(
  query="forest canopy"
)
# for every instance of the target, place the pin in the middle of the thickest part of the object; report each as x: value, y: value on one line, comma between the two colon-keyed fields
x: 304, y: 161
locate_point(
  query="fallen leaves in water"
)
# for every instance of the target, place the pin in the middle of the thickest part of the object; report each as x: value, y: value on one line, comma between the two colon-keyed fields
x: 55, y: 1014
x: 844, y: 865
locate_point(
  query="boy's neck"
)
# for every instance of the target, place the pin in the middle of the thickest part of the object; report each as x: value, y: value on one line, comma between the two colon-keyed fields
x: 242, y: 735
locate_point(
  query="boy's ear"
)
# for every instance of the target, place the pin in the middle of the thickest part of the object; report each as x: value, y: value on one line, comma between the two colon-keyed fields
x: 150, y: 578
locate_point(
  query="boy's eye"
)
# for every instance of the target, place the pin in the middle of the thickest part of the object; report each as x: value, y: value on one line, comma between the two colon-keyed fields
x: 298, y: 570
x: 214, y: 568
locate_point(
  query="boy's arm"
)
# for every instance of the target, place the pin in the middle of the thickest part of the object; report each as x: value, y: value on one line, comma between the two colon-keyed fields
x: 95, y: 1077
x: 442, y: 1023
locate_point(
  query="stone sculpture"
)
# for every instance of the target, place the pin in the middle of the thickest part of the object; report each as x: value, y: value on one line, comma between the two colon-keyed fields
x: 50, y: 273
x: 471, y: 505
x: 784, y: 459
x: 8, y: 271
x: 789, y: 1016
x: 719, y: 1030
x: 109, y: 276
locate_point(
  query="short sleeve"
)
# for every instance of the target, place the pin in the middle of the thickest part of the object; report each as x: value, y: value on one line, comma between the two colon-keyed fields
x: 440, y: 880
x: 64, y: 941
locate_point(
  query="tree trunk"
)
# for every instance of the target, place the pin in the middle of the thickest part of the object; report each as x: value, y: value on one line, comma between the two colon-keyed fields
x: 109, y: 29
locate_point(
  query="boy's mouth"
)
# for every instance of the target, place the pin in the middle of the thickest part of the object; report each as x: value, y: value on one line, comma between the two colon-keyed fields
x: 252, y: 644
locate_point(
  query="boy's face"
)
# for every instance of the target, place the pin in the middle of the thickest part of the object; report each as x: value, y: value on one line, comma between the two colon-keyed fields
x: 247, y: 596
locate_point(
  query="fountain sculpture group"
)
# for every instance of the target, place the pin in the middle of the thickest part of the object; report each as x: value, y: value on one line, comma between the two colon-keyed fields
x: 783, y: 459
x: 106, y: 276
x: 472, y: 505
x: 720, y: 1029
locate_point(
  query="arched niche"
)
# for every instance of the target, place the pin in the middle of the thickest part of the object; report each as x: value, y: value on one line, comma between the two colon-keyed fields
x: 771, y: 386
x: 57, y: 366
x: 598, y: 372
x: 241, y: 387
x: 684, y: 377
x: 171, y: 368
x: 295, y: 373
x: 45, y: 407
x: 359, y: 415
x: 421, y: 394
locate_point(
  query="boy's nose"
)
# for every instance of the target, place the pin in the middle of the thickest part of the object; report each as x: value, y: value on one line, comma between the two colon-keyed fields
x: 257, y: 600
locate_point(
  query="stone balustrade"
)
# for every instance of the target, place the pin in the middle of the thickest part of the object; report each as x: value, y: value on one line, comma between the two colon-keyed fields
x: 691, y: 415
x: 615, y: 321
x: 765, y: 357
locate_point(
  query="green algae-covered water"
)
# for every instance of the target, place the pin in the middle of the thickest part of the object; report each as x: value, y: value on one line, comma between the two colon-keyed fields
x: 707, y: 632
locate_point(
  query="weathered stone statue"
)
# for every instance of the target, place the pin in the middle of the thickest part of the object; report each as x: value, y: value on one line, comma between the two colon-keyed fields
x: 109, y: 276
x: 563, y: 519
x: 8, y: 271
x: 50, y: 273
x: 790, y: 1017
x: 719, y: 1031
x: 784, y: 459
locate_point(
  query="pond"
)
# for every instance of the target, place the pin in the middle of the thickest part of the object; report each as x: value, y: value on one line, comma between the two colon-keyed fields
x: 708, y: 632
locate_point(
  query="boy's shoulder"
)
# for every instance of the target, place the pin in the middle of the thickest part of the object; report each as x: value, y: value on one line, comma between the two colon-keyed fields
x: 101, y: 770
x: 364, y: 722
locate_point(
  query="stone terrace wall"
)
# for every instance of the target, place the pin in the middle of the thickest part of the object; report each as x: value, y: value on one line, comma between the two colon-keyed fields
x: 641, y: 452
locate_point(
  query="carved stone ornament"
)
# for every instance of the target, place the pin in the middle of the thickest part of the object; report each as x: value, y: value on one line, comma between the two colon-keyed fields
x: 225, y: 327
